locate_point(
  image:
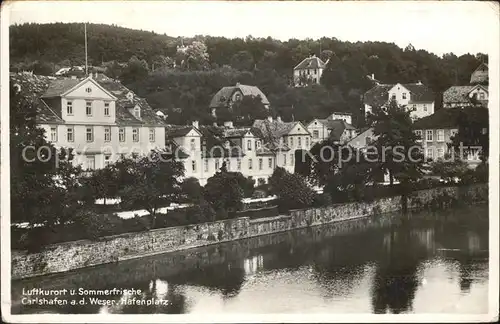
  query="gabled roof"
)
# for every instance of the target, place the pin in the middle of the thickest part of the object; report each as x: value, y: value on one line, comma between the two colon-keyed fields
x: 312, y: 62
x: 59, y: 86
x: 236, y: 132
x: 32, y: 87
x: 224, y: 95
x: 419, y: 92
x: 480, y: 74
x: 174, y: 131
x: 460, y: 94
x: 379, y: 94
x: 449, y: 117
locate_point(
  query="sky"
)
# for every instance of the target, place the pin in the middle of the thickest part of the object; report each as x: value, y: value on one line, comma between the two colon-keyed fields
x: 439, y: 27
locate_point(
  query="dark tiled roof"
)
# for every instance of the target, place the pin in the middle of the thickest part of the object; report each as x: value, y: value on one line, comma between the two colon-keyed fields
x: 449, y: 117
x: 311, y: 63
x: 378, y: 95
x: 123, y: 104
x: 175, y: 150
x: 59, y: 86
x: 222, y: 97
x: 214, y: 143
x: 460, y: 94
x: 32, y: 87
x: 173, y: 131
x: 236, y: 132
x: 480, y: 75
x: 419, y: 92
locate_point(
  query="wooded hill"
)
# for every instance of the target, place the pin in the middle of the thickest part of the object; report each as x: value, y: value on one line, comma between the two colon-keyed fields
x: 182, y: 83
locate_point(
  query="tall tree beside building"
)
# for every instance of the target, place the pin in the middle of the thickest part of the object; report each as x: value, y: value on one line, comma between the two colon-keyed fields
x: 396, y: 151
x: 292, y: 190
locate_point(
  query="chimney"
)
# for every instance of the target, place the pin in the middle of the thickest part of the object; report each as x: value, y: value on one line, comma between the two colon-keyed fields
x: 196, y: 124
x: 228, y: 124
x: 237, y: 84
x: 215, y: 124
x: 270, y: 119
x: 419, y: 82
x: 278, y: 119
x: 373, y: 76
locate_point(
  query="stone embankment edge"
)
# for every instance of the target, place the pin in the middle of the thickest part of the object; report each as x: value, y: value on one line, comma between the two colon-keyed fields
x: 75, y: 255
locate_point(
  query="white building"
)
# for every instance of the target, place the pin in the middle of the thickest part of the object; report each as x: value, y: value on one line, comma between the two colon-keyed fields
x: 99, y: 119
x: 415, y: 96
x: 337, y: 127
x: 309, y: 71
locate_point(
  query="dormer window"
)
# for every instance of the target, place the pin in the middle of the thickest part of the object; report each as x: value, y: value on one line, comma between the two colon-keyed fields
x: 237, y: 97
x: 137, y: 112
x: 130, y: 96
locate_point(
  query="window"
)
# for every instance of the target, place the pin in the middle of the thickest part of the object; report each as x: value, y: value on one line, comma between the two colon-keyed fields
x: 404, y: 95
x: 90, y: 134
x: 440, y: 153
x: 270, y: 163
x: 88, y: 108
x: 91, y: 162
x: 258, y: 144
x: 307, y: 142
x: 440, y: 135
x: 107, y: 134
x: 393, y: 96
x: 429, y: 135
x: 261, y: 163
x: 315, y: 71
x: 249, y: 145
x: 69, y: 108
x: 106, y: 109
x: 418, y: 133
x: 70, y: 133
x: 228, y: 165
x: 152, y: 135
x: 135, y: 134
x: 430, y: 153
x: 284, y: 159
x: 238, y: 164
x: 250, y: 164
x: 315, y: 134
x: 121, y: 135
x: 299, y: 141
x: 193, y: 165
x: 453, y: 132
x: 192, y: 144
x: 88, y: 90
x: 425, y: 107
x: 53, y: 134
x: 291, y: 159
x: 414, y: 107
x: 137, y: 112
x: 481, y: 96
x: 216, y: 164
x: 107, y: 160
x: 206, y: 165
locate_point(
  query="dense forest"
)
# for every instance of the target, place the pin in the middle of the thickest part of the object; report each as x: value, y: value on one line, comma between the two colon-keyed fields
x: 181, y: 81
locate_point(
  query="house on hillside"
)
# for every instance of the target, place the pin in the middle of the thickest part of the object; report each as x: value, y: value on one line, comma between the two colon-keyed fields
x: 415, y: 96
x: 480, y: 75
x: 227, y: 96
x: 308, y: 71
x: 436, y: 132
x: 101, y: 120
x: 474, y: 94
x: 332, y: 127
x: 283, y: 139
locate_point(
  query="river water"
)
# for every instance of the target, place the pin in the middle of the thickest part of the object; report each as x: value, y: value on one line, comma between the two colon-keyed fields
x: 427, y: 262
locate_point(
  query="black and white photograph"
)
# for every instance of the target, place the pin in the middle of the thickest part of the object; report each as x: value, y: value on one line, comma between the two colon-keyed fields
x: 246, y: 161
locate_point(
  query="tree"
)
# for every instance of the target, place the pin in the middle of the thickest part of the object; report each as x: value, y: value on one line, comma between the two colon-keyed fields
x: 150, y: 181
x: 449, y: 170
x: 103, y: 183
x: 243, y: 60
x: 135, y: 70
x: 225, y: 190
x: 292, y: 190
x: 473, y: 125
x: 42, y: 178
x: 396, y: 150
x: 192, y: 189
x: 193, y: 56
x: 248, y: 109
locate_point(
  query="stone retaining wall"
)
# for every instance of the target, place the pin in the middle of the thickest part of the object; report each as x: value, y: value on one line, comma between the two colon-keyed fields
x: 80, y: 254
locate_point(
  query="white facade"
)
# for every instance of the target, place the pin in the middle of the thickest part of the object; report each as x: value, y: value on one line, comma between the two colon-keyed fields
x: 89, y: 126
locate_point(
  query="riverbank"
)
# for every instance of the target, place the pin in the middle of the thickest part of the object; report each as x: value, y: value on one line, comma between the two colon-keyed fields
x: 84, y: 253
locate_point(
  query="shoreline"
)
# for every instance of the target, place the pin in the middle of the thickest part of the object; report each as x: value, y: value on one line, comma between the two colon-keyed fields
x: 68, y: 256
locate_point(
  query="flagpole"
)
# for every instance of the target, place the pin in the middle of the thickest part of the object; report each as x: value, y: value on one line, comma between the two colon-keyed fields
x: 86, y: 62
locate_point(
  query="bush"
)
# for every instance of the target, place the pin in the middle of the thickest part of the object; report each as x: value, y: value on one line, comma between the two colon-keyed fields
x: 322, y: 200
x: 96, y: 226
x: 35, y: 239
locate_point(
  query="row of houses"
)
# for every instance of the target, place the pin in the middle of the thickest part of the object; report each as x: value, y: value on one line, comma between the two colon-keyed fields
x: 102, y: 121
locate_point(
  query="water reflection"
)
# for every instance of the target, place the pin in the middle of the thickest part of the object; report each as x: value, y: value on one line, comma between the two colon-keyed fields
x: 420, y: 263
